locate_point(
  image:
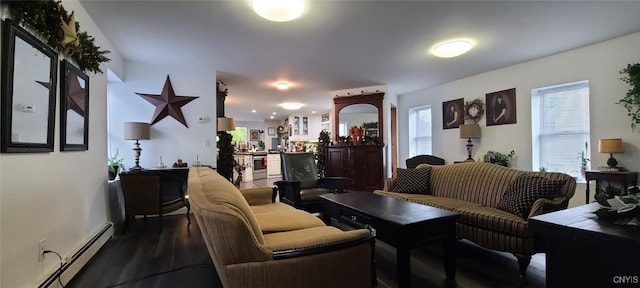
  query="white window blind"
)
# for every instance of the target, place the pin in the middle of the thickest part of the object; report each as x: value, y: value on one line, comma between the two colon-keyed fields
x: 420, y: 141
x: 560, y: 127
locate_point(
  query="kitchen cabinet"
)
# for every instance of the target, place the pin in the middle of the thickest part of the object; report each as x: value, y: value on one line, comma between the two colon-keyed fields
x: 305, y: 127
x: 246, y: 161
x: 273, y: 165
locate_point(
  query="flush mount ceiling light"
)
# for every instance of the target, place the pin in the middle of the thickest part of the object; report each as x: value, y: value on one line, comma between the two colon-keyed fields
x: 279, y: 10
x: 282, y: 86
x: 451, y: 48
x: 291, y: 106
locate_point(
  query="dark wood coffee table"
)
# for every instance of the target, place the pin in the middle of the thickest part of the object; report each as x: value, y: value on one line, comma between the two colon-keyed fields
x: 401, y: 224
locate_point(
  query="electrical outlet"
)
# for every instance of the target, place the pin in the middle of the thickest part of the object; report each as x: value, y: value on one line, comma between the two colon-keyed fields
x: 41, y: 248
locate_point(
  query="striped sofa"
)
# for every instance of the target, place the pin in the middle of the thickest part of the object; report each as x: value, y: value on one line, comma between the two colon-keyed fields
x: 474, y: 189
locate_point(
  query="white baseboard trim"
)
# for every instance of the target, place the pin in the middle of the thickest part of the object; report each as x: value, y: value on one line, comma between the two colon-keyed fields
x: 79, y: 258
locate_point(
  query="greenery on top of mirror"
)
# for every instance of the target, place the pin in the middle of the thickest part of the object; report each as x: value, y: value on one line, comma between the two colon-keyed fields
x: 60, y: 30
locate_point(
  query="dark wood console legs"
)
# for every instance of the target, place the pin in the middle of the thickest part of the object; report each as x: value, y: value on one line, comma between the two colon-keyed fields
x: 523, y: 263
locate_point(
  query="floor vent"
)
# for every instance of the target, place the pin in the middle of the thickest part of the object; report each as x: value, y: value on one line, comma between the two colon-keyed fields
x: 80, y: 258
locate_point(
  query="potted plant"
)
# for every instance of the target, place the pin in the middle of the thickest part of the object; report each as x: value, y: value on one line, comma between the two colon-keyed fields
x: 115, y: 164
x: 501, y: 159
x: 583, y: 159
x: 323, y: 142
x: 632, y: 100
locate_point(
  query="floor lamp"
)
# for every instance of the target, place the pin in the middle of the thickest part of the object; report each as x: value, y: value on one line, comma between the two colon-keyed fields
x: 468, y: 131
x: 136, y: 131
x: 225, y: 150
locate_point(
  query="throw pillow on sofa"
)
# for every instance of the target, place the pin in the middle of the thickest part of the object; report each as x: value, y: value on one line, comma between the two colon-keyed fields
x: 525, y: 190
x: 412, y: 181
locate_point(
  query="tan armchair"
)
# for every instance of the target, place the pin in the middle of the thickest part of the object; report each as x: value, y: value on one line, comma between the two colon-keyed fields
x: 311, y: 255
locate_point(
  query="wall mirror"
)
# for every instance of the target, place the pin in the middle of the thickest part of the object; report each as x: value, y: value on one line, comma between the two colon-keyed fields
x: 361, y: 115
x: 29, y: 69
x: 74, y: 108
x: 361, y: 110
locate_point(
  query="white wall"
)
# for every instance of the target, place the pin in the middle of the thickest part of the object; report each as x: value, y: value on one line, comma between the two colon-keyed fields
x: 169, y: 138
x: 267, y: 137
x: 60, y: 196
x: 599, y: 63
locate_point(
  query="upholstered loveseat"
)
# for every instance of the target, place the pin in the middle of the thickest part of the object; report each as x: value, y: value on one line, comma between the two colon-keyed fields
x: 481, y: 192
x: 256, y: 243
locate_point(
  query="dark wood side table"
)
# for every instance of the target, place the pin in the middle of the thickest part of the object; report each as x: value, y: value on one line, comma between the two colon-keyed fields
x: 626, y: 179
x: 583, y: 250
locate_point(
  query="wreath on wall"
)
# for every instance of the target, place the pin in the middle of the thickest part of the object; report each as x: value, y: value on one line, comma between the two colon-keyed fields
x: 60, y: 30
x: 474, y: 110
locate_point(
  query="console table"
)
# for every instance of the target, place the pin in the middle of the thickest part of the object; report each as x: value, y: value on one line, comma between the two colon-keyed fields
x: 626, y: 179
x: 583, y: 250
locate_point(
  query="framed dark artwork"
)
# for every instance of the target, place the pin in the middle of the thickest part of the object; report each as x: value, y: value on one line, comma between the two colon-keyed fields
x: 452, y: 113
x: 29, y: 71
x: 324, y: 117
x: 501, y: 107
x: 271, y: 131
x: 254, y: 135
x: 74, y: 108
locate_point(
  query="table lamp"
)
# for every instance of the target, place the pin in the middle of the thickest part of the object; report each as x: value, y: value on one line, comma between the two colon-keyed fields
x: 136, y: 131
x: 468, y: 131
x: 611, y: 146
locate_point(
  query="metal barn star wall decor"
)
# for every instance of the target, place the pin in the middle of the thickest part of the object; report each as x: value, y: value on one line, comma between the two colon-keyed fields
x: 76, y: 96
x: 167, y: 103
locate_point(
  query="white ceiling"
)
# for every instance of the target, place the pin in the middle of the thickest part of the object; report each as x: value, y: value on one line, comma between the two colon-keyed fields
x: 340, y: 45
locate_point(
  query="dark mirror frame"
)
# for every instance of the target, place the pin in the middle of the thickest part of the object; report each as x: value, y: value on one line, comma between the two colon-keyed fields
x: 68, y: 74
x: 339, y: 103
x: 10, y: 32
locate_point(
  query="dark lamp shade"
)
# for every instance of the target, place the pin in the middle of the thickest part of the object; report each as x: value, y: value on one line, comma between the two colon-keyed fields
x: 611, y: 146
x: 226, y: 124
x: 469, y: 131
x: 136, y: 131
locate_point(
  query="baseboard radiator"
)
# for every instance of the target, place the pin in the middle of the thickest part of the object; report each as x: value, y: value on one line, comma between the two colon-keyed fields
x: 79, y: 258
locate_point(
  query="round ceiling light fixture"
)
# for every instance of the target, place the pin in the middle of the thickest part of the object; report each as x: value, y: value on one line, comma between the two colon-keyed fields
x: 452, y: 48
x: 291, y: 105
x: 282, y: 86
x: 279, y: 10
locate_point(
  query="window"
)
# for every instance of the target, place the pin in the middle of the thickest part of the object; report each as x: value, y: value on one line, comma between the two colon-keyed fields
x: 420, y: 141
x: 560, y: 127
x: 239, y: 135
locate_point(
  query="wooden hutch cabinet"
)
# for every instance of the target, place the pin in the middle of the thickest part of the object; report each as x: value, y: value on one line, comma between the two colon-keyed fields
x: 361, y: 164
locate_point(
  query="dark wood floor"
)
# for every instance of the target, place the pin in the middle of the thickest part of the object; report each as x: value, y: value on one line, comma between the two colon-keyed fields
x: 177, y: 257
x: 146, y: 257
